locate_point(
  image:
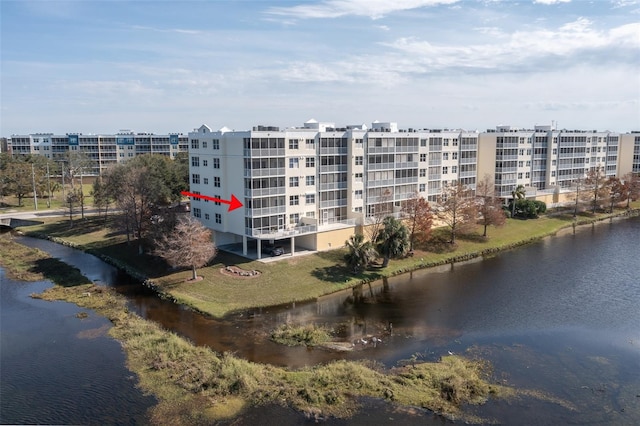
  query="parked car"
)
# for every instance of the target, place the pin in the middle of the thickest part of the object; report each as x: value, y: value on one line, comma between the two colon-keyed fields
x: 273, y: 250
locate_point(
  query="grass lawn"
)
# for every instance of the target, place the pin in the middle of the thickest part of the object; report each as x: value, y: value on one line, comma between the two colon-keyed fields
x: 290, y: 279
x: 10, y: 203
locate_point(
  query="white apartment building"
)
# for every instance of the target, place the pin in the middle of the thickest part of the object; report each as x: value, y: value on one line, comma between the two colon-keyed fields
x: 104, y: 150
x: 311, y: 186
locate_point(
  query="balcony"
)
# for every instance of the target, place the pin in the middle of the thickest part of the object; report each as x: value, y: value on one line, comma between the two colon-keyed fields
x: 334, y: 185
x: 506, y: 157
x: 341, y: 202
x: 404, y: 180
x: 278, y: 171
x: 273, y: 233
x: 379, y: 182
x: 407, y: 165
x: 338, y: 150
x: 333, y: 168
x: 266, y: 211
x: 270, y: 152
x: 265, y: 192
x: 471, y: 160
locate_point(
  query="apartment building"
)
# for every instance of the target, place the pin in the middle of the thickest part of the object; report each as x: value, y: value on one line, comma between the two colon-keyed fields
x: 546, y: 160
x: 104, y: 150
x: 311, y: 186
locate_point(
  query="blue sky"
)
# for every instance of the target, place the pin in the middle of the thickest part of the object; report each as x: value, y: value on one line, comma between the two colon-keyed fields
x: 169, y: 66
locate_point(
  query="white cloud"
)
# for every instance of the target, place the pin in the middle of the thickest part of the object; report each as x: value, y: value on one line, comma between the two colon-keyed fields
x: 551, y: 1
x: 373, y: 9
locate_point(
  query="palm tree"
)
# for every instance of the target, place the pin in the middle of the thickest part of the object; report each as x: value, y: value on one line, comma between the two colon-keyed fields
x: 393, y: 239
x: 360, y: 253
x: 518, y: 193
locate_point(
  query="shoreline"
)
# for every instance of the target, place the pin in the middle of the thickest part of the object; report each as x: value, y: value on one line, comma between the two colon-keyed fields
x: 164, y: 289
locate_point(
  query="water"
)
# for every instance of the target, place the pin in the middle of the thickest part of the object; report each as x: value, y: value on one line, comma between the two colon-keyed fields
x: 560, y: 316
x: 59, y: 369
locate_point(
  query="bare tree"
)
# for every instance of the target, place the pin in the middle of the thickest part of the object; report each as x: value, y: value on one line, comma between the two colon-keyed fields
x: 377, y: 212
x: 417, y: 213
x: 489, y: 205
x: 457, y: 208
x: 71, y: 199
x: 595, y: 181
x: 188, y: 245
x: 79, y: 164
x: 632, y: 186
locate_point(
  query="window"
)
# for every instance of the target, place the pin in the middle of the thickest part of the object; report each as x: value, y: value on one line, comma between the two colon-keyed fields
x: 520, y: 163
x: 218, y: 218
x: 217, y: 203
x: 294, y: 218
x: 358, y: 194
x: 294, y: 200
x: 195, y: 144
x: 215, y: 144
x: 454, y: 169
x: 423, y: 158
x: 310, y: 143
x: 358, y: 210
x: 358, y: 141
x: 216, y: 182
x: 311, y: 180
x: 423, y: 142
x: 359, y: 160
x: 310, y: 199
x: 204, y: 144
x: 445, y: 156
x: 310, y: 162
x: 423, y: 172
x: 195, y: 161
x: 455, y: 142
x: 206, y: 181
x: 520, y: 175
x: 445, y: 142
x: 293, y: 163
x: 197, y: 212
x: 454, y: 155
x: 293, y: 181
x: 216, y: 163
x: 205, y: 163
x: 555, y: 151
x: 293, y: 143
x: 521, y: 152
x: 195, y: 178
x: 206, y: 216
x: 358, y: 177
x: 527, y: 175
x: 422, y: 187
x: 445, y: 170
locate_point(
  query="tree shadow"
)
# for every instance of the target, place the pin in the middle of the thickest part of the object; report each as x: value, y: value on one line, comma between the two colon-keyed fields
x: 438, y: 244
x: 333, y: 274
x: 475, y: 237
x: 59, y: 272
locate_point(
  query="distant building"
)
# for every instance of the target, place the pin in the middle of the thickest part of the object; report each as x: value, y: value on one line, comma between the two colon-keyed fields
x: 105, y: 150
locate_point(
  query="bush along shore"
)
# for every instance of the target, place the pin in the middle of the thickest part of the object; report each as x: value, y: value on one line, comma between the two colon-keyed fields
x: 196, y: 385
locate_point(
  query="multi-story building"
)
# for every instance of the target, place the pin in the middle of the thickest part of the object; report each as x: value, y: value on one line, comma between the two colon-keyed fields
x: 312, y: 185
x: 104, y: 150
x: 545, y: 159
x: 629, y: 153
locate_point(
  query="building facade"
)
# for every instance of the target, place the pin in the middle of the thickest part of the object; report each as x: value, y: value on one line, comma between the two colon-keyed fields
x: 104, y: 150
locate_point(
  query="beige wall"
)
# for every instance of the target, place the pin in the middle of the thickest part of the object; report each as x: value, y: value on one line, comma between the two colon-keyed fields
x: 625, y: 153
x: 333, y: 239
x: 486, y: 156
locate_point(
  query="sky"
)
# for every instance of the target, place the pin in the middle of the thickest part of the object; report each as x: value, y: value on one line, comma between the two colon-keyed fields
x: 171, y: 66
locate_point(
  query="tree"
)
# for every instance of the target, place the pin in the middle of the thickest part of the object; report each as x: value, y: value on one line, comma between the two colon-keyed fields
x: 393, y: 239
x: 489, y: 205
x: 102, y: 196
x: 360, y: 252
x: 518, y: 193
x: 19, y: 179
x: 378, y: 212
x: 417, y: 213
x: 578, y: 196
x: 78, y: 165
x: 595, y: 181
x: 617, y: 191
x: 632, y: 184
x: 457, y: 208
x: 72, y: 198
x: 188, y: 245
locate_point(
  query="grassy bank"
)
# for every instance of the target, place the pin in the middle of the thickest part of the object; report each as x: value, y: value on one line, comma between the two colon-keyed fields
x: 195, y: 385
x: 291, y: 279
x: 30, y: 264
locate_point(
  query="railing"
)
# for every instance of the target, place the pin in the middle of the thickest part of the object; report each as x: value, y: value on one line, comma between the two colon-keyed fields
x: 333, y: 223
x: 276, y: 171
x: 466, y: 174
x: 506, y: 157
x: 379, y: 182
x: 275, y: 232
x: 266, y: 211
x: 471, y: 160
x: 333, y: 168
x: 407, y: 165
x: 381, y: 166
x: 333, y: 203
x: 334, y: 185
x: 435, y: 162
x: 340, y: 150
x: 380, y: 149
x: 411, y: 179
x: 263, y: 192
x: 270, y: 152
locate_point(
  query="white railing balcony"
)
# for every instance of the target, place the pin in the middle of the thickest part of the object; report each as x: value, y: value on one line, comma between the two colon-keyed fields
x: 265, y: 211
x: 265, y: 192
x: 471, y: 160
x: 333, y: 168
x: 334, y: 185
x: 279, y: 171
x: 275, y: 232
x: 336, y: 150
x: 333, y: 203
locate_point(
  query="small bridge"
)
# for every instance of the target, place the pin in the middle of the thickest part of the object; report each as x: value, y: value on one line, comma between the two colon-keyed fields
x: 12, y: 222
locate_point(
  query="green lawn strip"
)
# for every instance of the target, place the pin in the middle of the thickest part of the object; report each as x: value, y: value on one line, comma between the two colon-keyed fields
x: 293, y: 279
x: 10, y: 202
x: 195, y: 385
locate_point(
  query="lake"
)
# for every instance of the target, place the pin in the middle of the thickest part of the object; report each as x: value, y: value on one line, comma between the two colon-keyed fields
x: 561, y: 316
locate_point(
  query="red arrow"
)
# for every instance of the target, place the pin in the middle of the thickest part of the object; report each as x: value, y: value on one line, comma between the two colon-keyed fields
x: 234, y: 203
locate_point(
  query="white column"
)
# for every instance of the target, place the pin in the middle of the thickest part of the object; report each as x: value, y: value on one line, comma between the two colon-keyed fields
x: 293, y: 245
x: 244, y: 245
x: 259, y: 245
